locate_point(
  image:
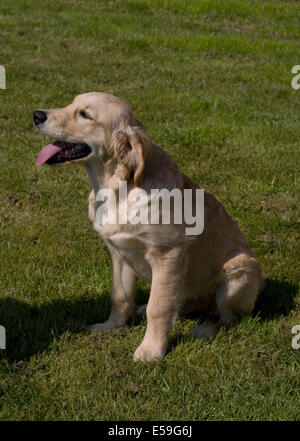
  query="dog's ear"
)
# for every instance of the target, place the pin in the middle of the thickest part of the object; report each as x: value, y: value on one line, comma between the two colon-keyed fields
x: 131, y: 150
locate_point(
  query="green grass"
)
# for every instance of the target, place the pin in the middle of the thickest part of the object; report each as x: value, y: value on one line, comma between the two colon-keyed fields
x: 210, y: 80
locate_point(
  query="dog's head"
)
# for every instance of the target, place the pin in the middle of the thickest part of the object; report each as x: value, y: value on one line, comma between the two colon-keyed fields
x: 95, y: 126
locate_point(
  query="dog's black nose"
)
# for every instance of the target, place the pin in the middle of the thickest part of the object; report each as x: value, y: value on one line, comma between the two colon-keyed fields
x: 39, y: 117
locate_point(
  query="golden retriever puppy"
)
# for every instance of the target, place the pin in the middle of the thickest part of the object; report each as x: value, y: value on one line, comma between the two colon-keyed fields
x: 212, y: 270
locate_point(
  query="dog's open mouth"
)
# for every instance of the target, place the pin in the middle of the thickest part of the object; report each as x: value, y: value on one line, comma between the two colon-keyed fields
x: 59, y: 152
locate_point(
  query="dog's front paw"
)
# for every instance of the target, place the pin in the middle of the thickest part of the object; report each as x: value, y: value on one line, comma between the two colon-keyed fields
x: 148, y: 352
x: 106, y: 326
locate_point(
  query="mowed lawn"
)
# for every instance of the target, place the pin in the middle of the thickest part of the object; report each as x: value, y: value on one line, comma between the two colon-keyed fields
x: 211, y: 81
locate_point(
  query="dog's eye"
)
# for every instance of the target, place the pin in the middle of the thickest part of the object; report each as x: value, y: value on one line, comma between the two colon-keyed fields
x: 83, y: 114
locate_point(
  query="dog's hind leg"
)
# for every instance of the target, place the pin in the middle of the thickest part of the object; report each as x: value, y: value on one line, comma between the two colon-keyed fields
x: 122, y: 296
x: 236, y: 294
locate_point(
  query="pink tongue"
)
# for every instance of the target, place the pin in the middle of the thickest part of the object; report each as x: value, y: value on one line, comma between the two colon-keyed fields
x: 46, y: 153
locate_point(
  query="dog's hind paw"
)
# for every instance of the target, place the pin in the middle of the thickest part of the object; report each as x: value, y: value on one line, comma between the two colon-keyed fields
x: 106, y: 326
x: 205, y: 331
x: 141, y: 311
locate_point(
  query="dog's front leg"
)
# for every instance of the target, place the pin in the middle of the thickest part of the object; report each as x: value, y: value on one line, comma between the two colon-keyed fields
x: 122, y: 296
x: 163, y: 305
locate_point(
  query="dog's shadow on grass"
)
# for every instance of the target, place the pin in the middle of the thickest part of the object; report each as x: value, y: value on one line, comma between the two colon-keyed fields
x: 278, y: 298
x: 31, y: 329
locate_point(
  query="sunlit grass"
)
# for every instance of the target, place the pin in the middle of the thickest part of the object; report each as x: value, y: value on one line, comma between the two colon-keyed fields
x: 211, y: 82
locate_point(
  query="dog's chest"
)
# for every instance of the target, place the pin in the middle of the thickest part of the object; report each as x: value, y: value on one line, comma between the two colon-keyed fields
x: 130, y: 252
x: 124, y: 244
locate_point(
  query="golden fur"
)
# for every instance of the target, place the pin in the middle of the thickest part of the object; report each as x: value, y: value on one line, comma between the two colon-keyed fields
x: 215, y: 271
